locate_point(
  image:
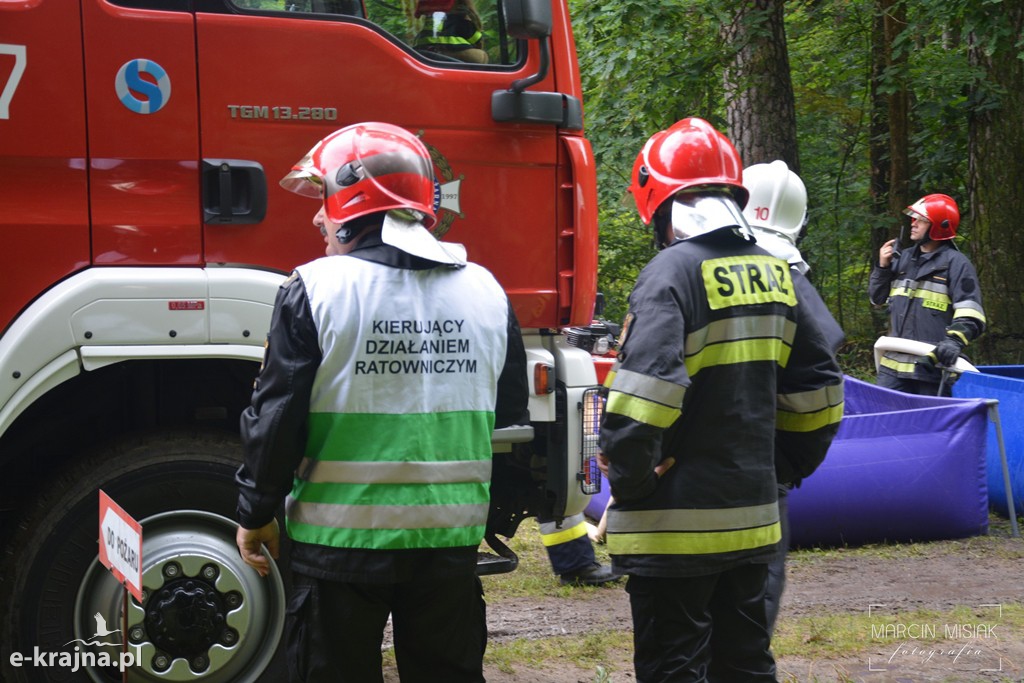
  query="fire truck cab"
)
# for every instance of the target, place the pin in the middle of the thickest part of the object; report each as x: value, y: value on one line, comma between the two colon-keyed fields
x: 145, y: 236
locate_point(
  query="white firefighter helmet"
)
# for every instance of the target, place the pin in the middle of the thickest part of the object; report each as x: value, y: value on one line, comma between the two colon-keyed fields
x: 777, y: 210
x: 778, y: 200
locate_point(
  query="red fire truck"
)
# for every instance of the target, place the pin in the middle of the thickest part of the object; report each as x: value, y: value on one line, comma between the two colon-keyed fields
x: 145, y: 236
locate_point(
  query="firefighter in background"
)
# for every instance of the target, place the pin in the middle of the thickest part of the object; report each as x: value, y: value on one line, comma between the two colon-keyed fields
x: 384, y: 454
x: 720, y: 366
x: 456, y: 32
x: 777, y: 213
x: 933, y: 296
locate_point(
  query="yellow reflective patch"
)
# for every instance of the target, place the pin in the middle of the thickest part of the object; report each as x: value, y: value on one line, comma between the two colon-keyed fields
x: 808, y: 422
x: 641, y: 410
x: 968, y: 313
x: 896, y: 365
x: 565, y: 535
x: 693, y: 543
x: 925, y: 296
x: 742, y: 351
x: 744, y: 280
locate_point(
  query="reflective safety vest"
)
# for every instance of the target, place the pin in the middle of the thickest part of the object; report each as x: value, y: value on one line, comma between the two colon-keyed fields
x: 453, y: 31
x: 398, y: 452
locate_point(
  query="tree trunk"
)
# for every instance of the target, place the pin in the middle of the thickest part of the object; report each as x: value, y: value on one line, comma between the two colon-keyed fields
x: 760, y: 108
x: 894, y: 18
x: 996, y: 179
x: 878, y: 142
x: 887, y: 148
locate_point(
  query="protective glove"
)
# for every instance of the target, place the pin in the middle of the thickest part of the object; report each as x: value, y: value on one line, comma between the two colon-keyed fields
x: 946, y: 352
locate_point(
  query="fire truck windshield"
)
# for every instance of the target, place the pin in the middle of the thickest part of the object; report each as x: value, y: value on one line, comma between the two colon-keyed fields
x: 458, y: 33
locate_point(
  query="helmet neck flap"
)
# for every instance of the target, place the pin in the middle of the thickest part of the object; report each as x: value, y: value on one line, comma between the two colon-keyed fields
x: 699, y: 211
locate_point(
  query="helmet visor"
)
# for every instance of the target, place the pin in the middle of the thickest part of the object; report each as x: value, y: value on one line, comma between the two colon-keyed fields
x: 699, y: 212
x: 909, y: 211
x: 304, y: 178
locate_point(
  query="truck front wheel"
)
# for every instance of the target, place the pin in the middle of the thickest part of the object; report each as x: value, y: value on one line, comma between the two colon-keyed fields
x: 205, y: 616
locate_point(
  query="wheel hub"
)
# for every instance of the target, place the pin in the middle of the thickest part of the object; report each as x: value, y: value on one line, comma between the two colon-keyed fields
x: 185, y: 617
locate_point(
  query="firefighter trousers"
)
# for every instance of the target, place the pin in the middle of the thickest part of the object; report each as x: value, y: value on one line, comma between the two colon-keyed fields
x: 567, y: 543
x: 777, y: 567
x: 335, y: 630
x: 916, y: 386
x: 702, y: 628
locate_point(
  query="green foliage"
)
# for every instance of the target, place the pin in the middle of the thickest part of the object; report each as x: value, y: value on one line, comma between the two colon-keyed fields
x: 626, y: 246
x: 645, y: 65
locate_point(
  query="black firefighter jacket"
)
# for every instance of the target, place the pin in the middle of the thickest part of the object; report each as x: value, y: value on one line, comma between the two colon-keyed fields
x: 930, y: 295
x: 727, y: 365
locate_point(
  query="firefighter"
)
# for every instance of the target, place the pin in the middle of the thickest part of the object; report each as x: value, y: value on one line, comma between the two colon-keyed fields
x: 723, y: 377
x: 456, y: 33
x: 373, y: 415
x: 933, y: 296
x: 777, y: 213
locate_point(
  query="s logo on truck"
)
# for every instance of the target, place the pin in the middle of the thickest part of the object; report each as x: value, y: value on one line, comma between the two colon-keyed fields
x: 140, y: 95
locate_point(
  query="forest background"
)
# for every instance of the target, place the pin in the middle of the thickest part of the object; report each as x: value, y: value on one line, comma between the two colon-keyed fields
x: 874, y: 103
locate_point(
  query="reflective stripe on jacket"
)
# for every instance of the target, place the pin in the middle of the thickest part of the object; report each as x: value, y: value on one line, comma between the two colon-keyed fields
x: 398, y: 453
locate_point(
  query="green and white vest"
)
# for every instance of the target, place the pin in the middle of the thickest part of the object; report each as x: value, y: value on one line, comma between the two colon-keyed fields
x: 398, y: 453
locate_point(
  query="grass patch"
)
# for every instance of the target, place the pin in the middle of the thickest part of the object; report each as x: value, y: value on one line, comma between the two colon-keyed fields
x: 590, y: 651
x: 992, y: 544
x: 534, y: 577
x: 844, y: 635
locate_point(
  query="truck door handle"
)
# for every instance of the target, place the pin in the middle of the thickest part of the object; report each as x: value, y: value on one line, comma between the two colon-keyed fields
x: 234, y: 192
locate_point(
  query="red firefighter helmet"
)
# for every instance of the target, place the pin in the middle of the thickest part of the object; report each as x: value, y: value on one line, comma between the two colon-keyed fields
x: 941, y: 211
x: 688, y: 155
x: 366, y: 168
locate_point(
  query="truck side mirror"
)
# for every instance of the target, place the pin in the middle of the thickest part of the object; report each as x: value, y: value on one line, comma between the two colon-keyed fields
x: 532, y: 20
x: 528, y: 19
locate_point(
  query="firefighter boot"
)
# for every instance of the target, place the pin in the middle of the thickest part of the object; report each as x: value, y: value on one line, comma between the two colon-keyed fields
x: 595, y: 574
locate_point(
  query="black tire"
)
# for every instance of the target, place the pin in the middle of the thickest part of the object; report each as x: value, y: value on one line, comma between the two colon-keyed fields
x: 55, y: 547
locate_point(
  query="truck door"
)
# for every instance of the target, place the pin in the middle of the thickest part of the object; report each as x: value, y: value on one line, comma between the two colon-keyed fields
x: 143, y: 134
x: 44, y: 220
x: 272, y: 83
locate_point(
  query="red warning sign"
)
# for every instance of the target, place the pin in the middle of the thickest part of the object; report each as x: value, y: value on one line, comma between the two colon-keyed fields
x: 121, y: 545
